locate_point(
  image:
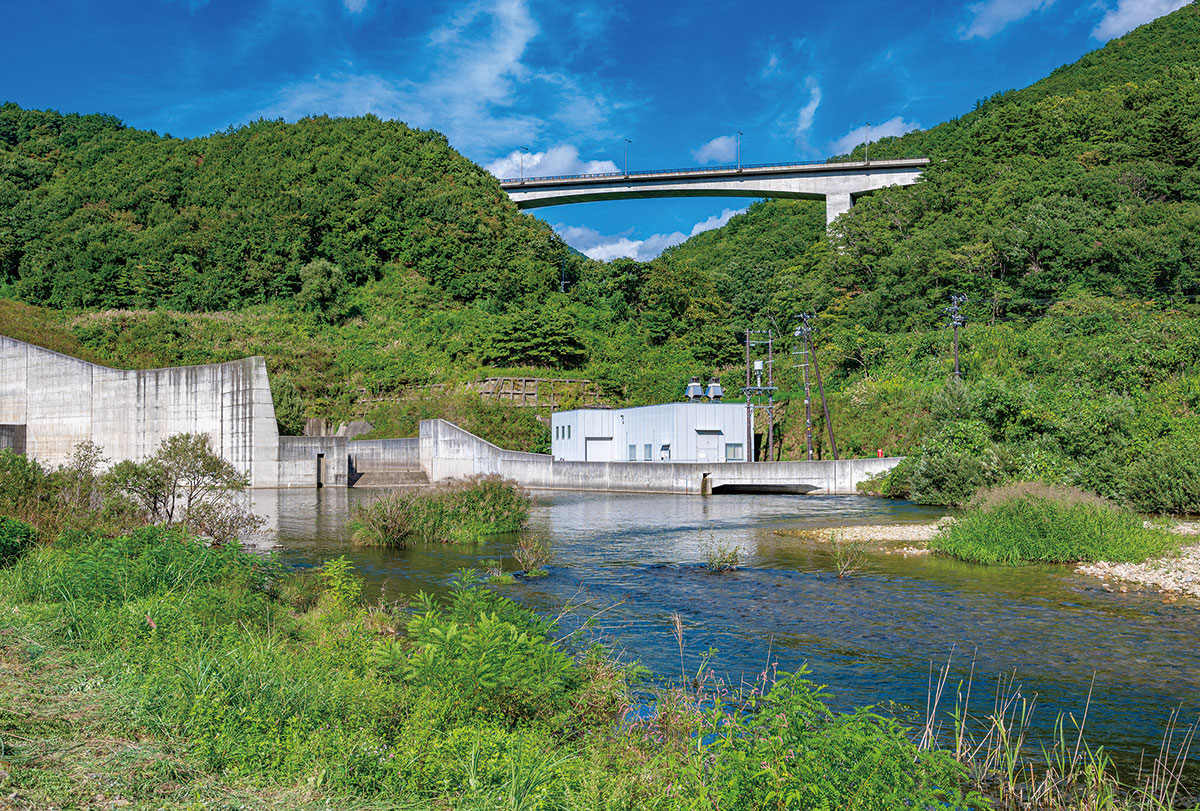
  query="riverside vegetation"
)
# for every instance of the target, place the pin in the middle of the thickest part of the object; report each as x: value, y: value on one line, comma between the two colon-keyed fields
x: 457, y: 511
x: 1032, y: 523
x: 373, y: 260
x: 201, y: 676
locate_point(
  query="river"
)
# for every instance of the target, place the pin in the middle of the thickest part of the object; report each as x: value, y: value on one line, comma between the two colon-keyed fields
x: 871, y: 637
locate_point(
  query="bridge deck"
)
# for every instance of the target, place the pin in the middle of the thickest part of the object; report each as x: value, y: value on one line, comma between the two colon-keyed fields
x: 745, y: 170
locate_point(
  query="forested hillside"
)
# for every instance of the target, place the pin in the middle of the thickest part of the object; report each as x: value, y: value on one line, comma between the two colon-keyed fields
x: 365, y: 259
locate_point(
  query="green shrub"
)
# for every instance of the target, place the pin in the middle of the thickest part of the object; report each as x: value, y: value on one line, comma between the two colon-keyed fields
x: 492, y: 655
x: 788, y: 750
x: 1036, y: 523
x: 15, y: 538
x: 458, y: 511
x: 1166, y: 479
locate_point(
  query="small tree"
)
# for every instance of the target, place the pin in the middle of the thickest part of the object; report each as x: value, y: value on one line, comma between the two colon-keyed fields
x: 186, y: 483
x: 323, y: 289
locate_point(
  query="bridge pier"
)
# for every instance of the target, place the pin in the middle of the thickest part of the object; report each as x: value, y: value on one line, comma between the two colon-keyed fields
x: 835, y: 204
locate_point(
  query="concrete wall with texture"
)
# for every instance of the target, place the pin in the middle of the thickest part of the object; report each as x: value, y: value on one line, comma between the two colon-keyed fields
x: 62, y: 401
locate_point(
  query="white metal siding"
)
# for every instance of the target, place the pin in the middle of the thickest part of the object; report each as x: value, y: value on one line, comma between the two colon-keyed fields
x: 681, y: 426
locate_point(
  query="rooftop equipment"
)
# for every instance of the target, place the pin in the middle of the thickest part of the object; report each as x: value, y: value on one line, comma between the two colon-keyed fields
x: 694, y: 390
x: 714, y: 391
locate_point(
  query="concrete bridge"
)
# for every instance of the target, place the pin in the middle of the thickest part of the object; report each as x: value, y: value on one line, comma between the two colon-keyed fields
x: 838, y: 184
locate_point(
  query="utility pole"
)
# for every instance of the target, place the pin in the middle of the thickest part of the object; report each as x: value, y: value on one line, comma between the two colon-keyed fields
x: 739, y: 150
x: 758, y: 389
x: 807, y: 318
x: 749, y: 406
x: 801, y: 351
x: 957, y: 319
x: 627, y: 143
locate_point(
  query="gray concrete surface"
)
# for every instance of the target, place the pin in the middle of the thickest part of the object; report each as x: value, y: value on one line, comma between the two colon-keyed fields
x: 62, y: 401
x: 838, y: 184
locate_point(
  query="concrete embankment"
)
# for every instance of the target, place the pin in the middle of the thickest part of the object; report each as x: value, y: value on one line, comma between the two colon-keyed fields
x: 449, y: 452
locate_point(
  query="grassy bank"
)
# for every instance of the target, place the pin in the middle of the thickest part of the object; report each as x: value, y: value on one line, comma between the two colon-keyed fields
x: 458, y: 511
x: 1035, y: 523
x: 157, y: 672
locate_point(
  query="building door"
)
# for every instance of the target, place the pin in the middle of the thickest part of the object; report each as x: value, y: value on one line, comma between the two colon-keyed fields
x: 597, y: 449
x: 706, y: 445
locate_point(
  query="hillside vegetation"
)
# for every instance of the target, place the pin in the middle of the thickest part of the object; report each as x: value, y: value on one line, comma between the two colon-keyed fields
x: 366, y: 259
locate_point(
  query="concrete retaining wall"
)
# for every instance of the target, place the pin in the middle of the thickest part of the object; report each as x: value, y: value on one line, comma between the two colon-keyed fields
x: 62, y: 401
x: 384, y: 455
x: 305, y: 461
x: 449, y: 452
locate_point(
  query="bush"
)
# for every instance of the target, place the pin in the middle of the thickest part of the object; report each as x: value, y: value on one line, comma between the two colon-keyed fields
x: 15, y: 538
x: 458, y: 511
x: 1164, y: 480
x: 788, y: 750
x: 1036, y: 523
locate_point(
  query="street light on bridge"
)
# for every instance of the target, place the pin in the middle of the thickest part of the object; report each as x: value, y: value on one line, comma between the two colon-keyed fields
x: 627, y: 143
x: 739, y: 150
x: 524, y: 149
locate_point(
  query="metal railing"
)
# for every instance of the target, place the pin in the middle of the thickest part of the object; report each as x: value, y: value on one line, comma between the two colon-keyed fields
x: 732, y: 167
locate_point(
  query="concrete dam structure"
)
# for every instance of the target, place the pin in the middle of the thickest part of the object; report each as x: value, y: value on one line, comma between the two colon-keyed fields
x: 50, y: 402
x: 838, y: 184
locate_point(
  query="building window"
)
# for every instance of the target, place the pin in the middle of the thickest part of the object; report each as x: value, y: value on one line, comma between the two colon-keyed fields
x: 664, y: 453
x: 733, y: 452
x: 558, y: 432
x: 633, y: 453
x: 568, y: 432
x: 648, y: 451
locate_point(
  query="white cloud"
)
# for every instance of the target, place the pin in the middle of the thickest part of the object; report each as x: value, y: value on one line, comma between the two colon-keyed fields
x: 560, y: 160
x: 716, y: 220
x: 722, y: 149
x: 1129, y: 14
x: 889, y: 128
x: 993, y: 16
x: 354, y: 6
x: 772, y: 64
x: 477, y: 88
x: 606, y: 247
x: 808, y: 112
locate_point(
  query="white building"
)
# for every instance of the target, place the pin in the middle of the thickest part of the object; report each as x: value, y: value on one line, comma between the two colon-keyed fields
x: 675, y: 432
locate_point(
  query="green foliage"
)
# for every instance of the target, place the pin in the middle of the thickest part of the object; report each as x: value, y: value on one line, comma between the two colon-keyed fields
x: 1037, y: 524
x: 323, y: 289
x: 458, y: 511
x: 15, y: 538
x: 342, y: 588
x: 790, y: 751
x: 491, y: 655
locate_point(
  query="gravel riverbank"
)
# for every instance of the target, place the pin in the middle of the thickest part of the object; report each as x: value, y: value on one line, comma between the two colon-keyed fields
x: 1174, y: 574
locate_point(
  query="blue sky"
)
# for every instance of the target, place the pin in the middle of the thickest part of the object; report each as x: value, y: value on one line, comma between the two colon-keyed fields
x: 568, y: 81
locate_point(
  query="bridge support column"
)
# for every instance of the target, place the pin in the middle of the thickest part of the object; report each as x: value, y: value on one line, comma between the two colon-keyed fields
x: 835, y: 204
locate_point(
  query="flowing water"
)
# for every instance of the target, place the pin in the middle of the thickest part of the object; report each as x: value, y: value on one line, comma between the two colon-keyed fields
x: 872, y: 637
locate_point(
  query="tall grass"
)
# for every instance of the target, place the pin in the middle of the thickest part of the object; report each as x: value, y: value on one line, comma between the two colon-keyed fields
x: 458, y: 511
x: 1035, y: 523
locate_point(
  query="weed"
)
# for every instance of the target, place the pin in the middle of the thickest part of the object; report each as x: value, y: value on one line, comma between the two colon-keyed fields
x: 1031, y: 523
x: 459, y: 511
x: 531, y: 554
x: 849, y: 557
x: 719, y: 557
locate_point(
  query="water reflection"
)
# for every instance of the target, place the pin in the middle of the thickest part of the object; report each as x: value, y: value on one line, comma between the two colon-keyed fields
x: 871, y: 637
